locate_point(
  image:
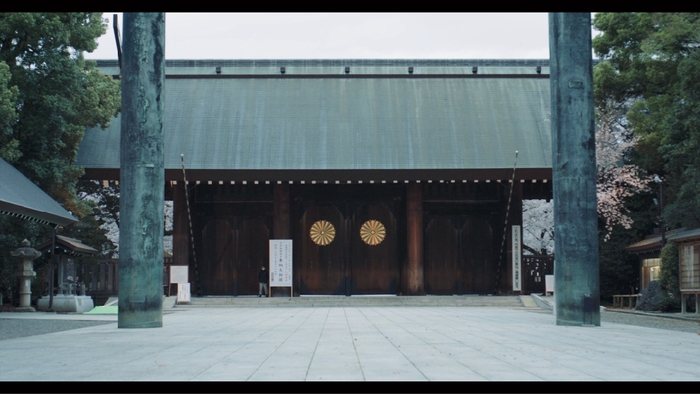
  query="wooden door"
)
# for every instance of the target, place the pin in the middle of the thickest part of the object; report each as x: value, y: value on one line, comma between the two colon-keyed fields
x: 459, y: 254
x: 253, y: 253
x: 217, y: 268
x: 323, y: 253
x: 442, y: 257
x: 373, y: 243
x: 478, y: 251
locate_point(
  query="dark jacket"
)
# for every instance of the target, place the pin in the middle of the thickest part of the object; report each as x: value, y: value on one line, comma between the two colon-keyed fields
x: 263, y: 276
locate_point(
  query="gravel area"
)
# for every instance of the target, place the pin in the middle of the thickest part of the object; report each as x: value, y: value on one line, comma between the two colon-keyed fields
x: 664, y: 323
x: 17, y: 328
x: 687, y: 324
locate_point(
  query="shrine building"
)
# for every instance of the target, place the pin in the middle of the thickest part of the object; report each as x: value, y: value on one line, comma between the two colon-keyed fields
x: 391, y: 177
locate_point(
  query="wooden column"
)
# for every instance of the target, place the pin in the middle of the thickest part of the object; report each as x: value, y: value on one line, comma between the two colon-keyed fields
x: 181, y: 229
x: 281, y: 227
x: 413, y: 283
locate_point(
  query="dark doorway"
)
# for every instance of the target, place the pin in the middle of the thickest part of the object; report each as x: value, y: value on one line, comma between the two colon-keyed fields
x: 459, y: 254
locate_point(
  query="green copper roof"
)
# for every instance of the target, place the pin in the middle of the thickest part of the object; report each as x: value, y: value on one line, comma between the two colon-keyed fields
x: 445, y: 115
x: 21, y: 197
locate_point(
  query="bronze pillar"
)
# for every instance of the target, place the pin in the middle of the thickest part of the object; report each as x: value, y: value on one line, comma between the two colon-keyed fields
x: 142, y: 173
x: 576, y: 274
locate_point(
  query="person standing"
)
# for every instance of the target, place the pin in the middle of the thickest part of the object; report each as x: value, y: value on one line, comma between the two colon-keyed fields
x: 262, y: 279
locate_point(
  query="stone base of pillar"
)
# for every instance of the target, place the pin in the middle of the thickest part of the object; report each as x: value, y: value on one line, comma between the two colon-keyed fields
x: 24, y: 309
x: 66, y: 303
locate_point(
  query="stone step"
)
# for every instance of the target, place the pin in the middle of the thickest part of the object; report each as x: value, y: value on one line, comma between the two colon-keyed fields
x: 354, y: 301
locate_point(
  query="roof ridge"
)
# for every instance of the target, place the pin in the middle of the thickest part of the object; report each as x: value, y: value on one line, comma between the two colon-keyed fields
x: 343, y: 62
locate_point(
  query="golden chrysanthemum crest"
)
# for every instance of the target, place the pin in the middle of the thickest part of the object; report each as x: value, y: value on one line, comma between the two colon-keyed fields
x: 322, y: 232
x: 373, y: 232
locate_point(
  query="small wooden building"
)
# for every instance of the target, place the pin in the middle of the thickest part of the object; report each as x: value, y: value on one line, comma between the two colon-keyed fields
x: 689, y: 269
x: 688, y: 242
x: 390, y: 176
x: 648, y: 252
x: 70, y: 273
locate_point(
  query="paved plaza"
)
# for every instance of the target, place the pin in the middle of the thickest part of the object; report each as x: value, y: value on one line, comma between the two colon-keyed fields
x: 350, y: 343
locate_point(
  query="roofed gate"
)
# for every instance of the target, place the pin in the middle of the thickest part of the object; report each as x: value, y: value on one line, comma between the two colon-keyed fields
x: 286, y: 144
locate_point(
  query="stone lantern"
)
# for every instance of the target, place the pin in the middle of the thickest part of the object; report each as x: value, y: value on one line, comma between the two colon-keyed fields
x: 26, y: 274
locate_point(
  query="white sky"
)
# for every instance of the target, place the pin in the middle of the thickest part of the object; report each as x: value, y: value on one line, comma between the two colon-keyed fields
x: 347, y: 36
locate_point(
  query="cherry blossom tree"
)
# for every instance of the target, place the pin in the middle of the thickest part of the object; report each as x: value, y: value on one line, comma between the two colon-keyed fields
x: 617, y: 179
x: 538, y: 227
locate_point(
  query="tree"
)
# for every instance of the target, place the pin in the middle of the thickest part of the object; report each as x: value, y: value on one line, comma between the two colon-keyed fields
x: 8, y: 114
x: 669, y: 279
x: 538, y: 227
x: 617, y: 181
x: 49, y: 95
x: 617, y: 178
x: 651, y: 69
x: 104, y: 218
x: 55, y: 95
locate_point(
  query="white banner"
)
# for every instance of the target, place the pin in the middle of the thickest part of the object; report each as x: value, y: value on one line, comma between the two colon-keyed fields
x: 280, y: 263
x: 517, y: 255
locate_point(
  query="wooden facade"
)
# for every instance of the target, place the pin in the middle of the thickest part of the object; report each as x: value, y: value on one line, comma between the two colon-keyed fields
x: 689, y: 268
x: 438, y: 238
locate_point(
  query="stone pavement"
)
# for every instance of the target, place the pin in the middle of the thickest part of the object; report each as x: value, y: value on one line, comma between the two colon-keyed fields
x: 352, y: 343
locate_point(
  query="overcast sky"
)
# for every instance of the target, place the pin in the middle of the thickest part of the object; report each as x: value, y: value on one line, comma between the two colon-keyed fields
x: 347, y: 36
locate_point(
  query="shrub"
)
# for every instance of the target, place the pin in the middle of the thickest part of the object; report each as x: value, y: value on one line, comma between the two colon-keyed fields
x: 668, y: 278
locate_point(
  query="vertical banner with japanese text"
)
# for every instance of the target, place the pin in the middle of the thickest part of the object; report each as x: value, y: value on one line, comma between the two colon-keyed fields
x: 517, y: 253
x: 280, y: 263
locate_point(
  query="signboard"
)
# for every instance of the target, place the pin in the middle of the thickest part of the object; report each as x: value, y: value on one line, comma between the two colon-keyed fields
x: 183, y: 293
x: 517, y: 256
x: 280, y: 263
x: 178, y: 274
x: 549, y: 284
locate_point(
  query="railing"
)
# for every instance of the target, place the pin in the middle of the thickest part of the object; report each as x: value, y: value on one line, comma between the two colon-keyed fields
x: 619, y: 300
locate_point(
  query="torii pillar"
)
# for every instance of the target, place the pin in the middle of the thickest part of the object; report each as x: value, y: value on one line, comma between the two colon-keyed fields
x: 576, y: 277
x: 142, y: 177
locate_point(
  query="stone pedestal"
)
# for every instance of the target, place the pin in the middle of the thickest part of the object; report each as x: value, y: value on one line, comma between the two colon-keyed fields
x: 67, y: 303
